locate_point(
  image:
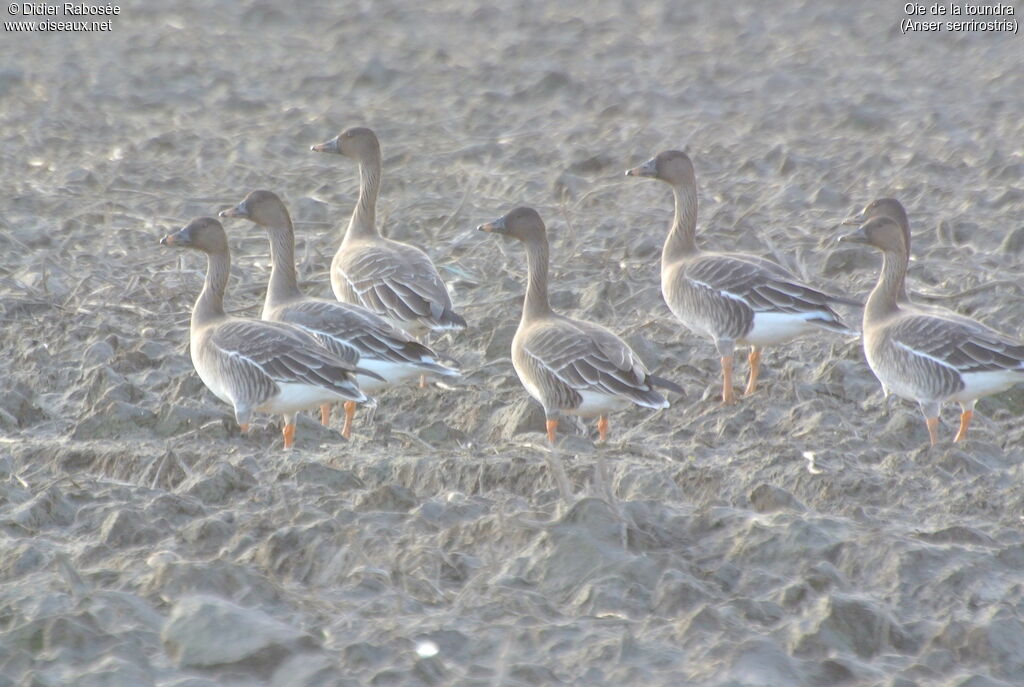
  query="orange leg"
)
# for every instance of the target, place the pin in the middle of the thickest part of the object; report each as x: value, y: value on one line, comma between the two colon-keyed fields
x: 325, y: 414
x: 423, y: 381
x: 244, y: 428
x: 350, y: 413
x: 552, y: 426
x: 728, y: 397
x: 755, y: 369
x: 965, y: 420
x: 602, y: 428
x: 289, y: 434
x: 933, y: 429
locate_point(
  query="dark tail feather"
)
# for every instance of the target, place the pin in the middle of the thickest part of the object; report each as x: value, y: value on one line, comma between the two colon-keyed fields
x: 842, y: 300
x: 439, y: 369
x: 836, y: 325
x: 368, y: 373
x: 661, y: 382
x: 451, y: 320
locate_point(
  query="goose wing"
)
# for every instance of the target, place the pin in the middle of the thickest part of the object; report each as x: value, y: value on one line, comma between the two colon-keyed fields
x: 399, y: 281
x: 958, y: 342
x: 257, y: 352
x: 358, y: 333
x: 762, y: 285
x: 570, y: 357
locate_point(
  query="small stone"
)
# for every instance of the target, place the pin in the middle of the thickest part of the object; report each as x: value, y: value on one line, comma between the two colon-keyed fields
x: 307, y: 670
x: 1000, y: 644
x: 568, y: 185
x: 124, y: 528
x: 767, y: 498
x: 208, y: 535
x: 591, y: 165
x: 376, y: 73
x: 435, y: 432
x: 225, y: 480
x: 1014, y: 242
x: 206, y: 631
x: 46, y: 509
x: 389, y: 498
x: 98, y: 352
x: 332, y: 478
x: 10, y: 79
x: 500, y: 343
x: 830, y: 198
x: 115, y: 672
x: 678, y: 593
x: 81, y: 176
x: 525, y: 415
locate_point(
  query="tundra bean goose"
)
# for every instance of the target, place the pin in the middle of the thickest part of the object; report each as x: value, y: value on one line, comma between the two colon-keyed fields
x: 570, y: 366
x: 890, y: 207
x: 268, y: 367
x: 730, y: 297
x: 390, y: 278
x: 350, y: 331
x: 922, y: 354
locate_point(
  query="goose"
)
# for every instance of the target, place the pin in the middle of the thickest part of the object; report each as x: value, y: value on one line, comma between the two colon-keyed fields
x: 266, y: 367
x: 570, y: 366
x: 890, y: 207
x: 886, y: 207
x: 731, y: 298
x: 923, y: 354
x: 350, y: 331
x: 391, y: 278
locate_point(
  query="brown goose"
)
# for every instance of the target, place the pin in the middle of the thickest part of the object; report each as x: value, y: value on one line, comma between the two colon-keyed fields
x: 390, y: 278
x: 267, y: 367
x: 350, y: 331
x: 570, y: 366
x: 730, y: 297
x: 925, y: 355
x: 892, y: 208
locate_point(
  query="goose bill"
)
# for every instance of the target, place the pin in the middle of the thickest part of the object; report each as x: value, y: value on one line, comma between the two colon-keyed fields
x: 647, y: 169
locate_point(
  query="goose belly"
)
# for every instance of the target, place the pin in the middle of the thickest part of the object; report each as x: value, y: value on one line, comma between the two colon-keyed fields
x: 530, y: 387
x: 343, y: 291
x: 910, y: 375
x: 774, y: 328
x: 295, y: 396
x: 394, y: 372
x: 892, y: 383
x: 704, y: 310
x: 596, y: 403
x: 978, y: 384
x: 211, y: 379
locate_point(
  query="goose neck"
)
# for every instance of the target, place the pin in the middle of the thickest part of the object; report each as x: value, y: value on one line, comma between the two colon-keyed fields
x: 681, y: 240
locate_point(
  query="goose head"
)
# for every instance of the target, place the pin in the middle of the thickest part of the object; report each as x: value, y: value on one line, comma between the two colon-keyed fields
x: 882, y: 232
x: 261, y: 207
x: 674, y: 167
x: 356, y: 142
x: 522, y: 223
x: 204, y: 234
x: 887, y: 207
